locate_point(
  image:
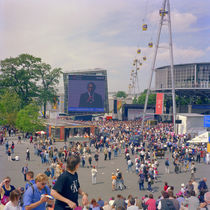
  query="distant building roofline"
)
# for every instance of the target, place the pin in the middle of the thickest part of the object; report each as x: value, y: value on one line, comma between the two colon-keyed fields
x: 85, y: 70
x: 184, y: 64
x: 190, y: 115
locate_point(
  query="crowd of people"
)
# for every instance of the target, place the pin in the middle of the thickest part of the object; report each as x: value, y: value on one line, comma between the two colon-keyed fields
x: 60, y: 182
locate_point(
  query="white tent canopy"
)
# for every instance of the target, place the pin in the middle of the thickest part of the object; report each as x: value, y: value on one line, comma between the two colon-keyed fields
x: 203, y: 138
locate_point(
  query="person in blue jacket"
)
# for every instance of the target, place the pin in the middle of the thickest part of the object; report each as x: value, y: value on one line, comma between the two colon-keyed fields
x: 37, y: 196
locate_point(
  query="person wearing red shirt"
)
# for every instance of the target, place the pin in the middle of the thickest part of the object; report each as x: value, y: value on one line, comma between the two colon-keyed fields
x: 151, y: 203
x: 165, y: 186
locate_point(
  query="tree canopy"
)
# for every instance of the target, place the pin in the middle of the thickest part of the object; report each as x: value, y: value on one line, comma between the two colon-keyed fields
x: 135, y: 101
x: 49, y: 78
x: 18, y: 74
x: 30, y: 78
x: 185, y: 99
x: 9, y: 107
x: 121, y: 94
x: 28, y: 119
x: 142, y: 97
x: 26, y: 82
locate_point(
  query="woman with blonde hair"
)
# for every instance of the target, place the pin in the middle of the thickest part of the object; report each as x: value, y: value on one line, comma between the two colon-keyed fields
x: 5, y: 189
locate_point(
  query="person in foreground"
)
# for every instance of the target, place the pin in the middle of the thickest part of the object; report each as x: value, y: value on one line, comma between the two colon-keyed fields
x: 35, y: 196
x: 67, y: 187
x: 13, y: 204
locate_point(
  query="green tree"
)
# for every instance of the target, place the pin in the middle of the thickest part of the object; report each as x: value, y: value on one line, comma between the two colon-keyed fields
x: 151, y: 99
x: 186, y: 99
x: 135, y: 101
x: 28, y: 119
x: 49, y: 78
x: 9, y: 107
x: 182, y: 100
x: 19, y: 74
x: 121, y: 94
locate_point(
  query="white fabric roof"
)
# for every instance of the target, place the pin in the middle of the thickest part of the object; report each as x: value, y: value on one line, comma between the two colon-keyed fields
x: 203, y: 138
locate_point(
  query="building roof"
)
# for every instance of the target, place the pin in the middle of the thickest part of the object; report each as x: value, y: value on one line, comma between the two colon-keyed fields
x: 86, y: 71
x: 184, y: 64
x: 190, y: 115
x: 68, y: 123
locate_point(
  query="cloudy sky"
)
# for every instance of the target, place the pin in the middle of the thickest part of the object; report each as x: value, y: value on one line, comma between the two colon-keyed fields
x: 85, y: 34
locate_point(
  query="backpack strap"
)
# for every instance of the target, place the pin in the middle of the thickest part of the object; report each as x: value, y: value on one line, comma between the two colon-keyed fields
x: 45, y: 190
x: 32, y: 186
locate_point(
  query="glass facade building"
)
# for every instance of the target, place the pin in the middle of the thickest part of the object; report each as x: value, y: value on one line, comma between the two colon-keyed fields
x: 186, y: 76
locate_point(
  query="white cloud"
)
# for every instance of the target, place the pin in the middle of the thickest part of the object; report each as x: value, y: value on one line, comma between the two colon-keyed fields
x: 188, y: 54
x: 181, y: 22
x: 110, y: 33
x: 181, y: 54
x: 81, y: 34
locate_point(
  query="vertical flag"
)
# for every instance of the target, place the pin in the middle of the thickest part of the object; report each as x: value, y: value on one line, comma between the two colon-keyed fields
x: 208, y: 144
x: 209, y: 137
x: 55, y: 103
x: 119, y: 105
x: 115, y: 106
x: 159, y: 103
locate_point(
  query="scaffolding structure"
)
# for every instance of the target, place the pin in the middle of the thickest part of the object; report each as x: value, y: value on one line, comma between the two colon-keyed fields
x: 134, y: 81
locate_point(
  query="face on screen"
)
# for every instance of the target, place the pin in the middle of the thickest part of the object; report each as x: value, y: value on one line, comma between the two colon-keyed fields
x: 86, y: 93
x: 91, y: 88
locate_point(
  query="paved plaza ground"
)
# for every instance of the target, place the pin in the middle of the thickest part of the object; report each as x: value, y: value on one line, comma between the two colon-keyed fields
x: 103, y: 187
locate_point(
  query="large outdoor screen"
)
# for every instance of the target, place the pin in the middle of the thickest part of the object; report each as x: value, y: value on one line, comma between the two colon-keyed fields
x: 86, y: 93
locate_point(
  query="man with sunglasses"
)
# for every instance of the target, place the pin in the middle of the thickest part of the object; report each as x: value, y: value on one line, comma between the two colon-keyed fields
x: 67, y: 187
x: 35, y: 196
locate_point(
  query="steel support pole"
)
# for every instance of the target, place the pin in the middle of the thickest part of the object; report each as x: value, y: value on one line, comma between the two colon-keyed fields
x: 172, y: 66
x: 153, y: 64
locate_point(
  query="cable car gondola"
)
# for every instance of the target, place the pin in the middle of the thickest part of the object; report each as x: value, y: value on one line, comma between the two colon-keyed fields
x: 162, y: 12
x: 150, y: 44
x: 138, y: 51
x: 144, y: 27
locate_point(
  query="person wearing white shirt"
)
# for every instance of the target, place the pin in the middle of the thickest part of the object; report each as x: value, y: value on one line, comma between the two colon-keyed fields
x: 195, y: 185
x: 207, y: 158
x: 94, y: 173
x: 131, y: 204
x: 13, y: 204
x: 106, y: 206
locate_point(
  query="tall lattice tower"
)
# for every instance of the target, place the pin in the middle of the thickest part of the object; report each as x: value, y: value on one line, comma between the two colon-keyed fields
x: 165, y: 20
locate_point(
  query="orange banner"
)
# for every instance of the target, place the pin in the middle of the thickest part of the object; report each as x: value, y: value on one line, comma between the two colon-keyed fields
x: 208, y: 147
x: 159, y: 103
x: 119, y: 105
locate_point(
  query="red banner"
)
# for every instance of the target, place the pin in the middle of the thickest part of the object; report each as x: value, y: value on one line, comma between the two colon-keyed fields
x: 159, y: 103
